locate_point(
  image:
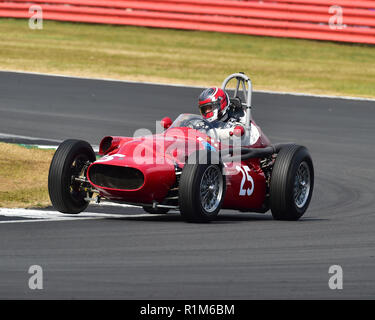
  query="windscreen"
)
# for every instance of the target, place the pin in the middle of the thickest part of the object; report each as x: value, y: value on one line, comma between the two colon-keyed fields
x: 196, y: 122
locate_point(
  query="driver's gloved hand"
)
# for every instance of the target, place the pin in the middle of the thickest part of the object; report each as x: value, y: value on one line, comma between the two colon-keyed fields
x: 236, y: 102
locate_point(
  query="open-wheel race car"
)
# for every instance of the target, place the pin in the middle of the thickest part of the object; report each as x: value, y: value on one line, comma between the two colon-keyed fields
x: 188, y: 168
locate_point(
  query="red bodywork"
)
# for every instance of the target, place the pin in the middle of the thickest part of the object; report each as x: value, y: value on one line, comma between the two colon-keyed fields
x: 158, y: 157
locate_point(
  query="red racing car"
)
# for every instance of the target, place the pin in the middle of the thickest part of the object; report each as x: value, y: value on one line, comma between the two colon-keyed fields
x: 187, y: 168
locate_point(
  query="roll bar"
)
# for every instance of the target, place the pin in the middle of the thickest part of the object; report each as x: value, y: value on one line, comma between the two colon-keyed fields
x: 242, y: 79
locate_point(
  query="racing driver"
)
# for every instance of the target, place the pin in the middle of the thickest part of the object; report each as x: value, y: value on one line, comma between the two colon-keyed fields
x: 225, y: 115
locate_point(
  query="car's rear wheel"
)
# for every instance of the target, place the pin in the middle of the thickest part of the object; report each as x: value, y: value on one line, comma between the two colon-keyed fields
x: 67, y: 163
x: 201, y: 191
x: 292, y: 183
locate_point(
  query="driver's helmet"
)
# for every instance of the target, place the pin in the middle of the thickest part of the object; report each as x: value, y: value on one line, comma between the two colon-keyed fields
x: 213, y: 104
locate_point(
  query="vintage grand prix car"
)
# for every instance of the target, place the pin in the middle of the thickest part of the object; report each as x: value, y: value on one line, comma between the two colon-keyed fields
x: 187, y: 168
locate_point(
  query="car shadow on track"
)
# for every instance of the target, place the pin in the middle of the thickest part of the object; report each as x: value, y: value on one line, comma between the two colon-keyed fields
x: 225, y: 216
x: 221, y: 219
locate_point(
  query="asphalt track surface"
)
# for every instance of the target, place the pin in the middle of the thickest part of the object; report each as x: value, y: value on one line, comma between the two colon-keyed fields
x: 240, y: 256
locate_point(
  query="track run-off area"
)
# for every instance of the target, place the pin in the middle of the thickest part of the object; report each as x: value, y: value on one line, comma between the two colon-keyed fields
x: 119, y: 252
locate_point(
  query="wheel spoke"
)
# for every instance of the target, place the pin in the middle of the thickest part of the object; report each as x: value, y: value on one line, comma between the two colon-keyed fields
x: 211, y: 188
x: 302, y: 185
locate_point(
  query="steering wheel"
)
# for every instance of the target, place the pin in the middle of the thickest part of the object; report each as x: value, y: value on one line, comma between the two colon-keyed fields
x: 212, y: 129
x: 208, y: 126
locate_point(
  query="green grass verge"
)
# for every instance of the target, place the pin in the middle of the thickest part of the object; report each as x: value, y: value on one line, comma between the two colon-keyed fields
x: 24, y: 176
x: 188, y: 57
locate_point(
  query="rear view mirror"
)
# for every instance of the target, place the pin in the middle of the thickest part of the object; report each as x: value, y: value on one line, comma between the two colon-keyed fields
x: 166, y: 122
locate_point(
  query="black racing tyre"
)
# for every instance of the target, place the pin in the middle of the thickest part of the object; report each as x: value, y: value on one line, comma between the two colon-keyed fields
x: 201, y: 190
x: 155, y: 210
x: 292, y: 183
x: 68, y: 161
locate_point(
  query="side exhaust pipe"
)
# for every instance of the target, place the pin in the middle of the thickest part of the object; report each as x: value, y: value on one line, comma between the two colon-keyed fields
x: 251, y: 153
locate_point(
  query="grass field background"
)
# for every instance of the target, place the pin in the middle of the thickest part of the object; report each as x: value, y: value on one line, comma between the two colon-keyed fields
x: 24, y: 176
x: 187, y: 57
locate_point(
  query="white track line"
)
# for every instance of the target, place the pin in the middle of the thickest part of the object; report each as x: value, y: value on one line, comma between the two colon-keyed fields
x: 16, y: 136
x: 95, y: 148
x: 45, y: 216
x: 187, y: 86
x: 301, y: 94
x: 43, y: 147
x: 103, y: 79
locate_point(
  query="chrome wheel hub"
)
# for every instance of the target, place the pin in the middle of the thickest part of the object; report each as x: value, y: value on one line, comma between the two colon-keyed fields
x: 211, y: 188
x: 302, y: 185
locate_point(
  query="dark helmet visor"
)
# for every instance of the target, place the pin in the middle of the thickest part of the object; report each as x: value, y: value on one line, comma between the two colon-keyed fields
x: 206, y: 108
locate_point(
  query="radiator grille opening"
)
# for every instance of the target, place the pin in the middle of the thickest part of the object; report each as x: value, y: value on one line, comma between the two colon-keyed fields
x: 116, y: 177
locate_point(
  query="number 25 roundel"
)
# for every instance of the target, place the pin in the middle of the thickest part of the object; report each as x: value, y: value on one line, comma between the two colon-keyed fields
x: 245, y: 170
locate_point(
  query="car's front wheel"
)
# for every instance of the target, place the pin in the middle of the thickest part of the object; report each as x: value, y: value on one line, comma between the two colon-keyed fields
x: 201, y: 191
x: 67, y: 164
